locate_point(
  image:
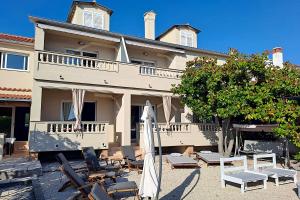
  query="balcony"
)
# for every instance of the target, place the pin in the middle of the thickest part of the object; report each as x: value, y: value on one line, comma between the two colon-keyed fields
x: 77, y: 69
x: 183, y: 134
x: 61, y: 136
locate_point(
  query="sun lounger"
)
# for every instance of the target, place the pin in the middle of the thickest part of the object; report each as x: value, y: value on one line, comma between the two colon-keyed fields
x: 85, y: 174
x: 97, y: 193
x: 240, y: 174
x: 271, y: 170
x: 179, y: 160
x: 130, y: 158
x: 85, y: 188
x: 209, y: 157
x: 93, y: 163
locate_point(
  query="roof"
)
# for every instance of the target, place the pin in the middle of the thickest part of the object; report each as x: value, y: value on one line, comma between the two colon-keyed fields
x: 118, y: 35
x: 16, y: 38
x: 15, y: 97
x: 178, y: 26
x: 15, y: 94
x: 91, y: 3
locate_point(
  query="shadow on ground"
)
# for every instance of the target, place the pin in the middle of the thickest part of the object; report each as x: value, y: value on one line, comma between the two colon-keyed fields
x: 177, y: 193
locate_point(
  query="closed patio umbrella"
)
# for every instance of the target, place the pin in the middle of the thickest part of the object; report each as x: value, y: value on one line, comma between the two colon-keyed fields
x: 149, y: 181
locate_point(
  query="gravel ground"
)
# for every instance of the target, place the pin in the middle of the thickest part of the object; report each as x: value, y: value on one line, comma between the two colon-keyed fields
x: 188, y: 184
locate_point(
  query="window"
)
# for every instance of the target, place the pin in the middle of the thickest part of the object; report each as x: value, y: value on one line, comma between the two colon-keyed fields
x: 88, y: 19
x: 94, y: 20
x: 186, y: 38
x: 88, y: 111
x: 13, y: 61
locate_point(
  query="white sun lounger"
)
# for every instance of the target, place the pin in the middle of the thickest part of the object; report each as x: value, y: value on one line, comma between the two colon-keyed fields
x: 271, y: 170
x: 209, y: 157
x: 181, y: 161
x: 240, y: 175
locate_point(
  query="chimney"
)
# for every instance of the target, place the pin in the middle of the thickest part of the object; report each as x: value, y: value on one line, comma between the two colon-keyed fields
x: 277, y: 56
x: 149, y: 18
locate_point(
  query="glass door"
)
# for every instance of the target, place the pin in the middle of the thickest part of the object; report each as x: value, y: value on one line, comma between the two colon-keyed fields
x: 6, y: 121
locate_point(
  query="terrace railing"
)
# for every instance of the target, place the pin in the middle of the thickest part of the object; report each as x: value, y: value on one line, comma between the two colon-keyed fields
x: 77, y: 61
x: 160, y: 72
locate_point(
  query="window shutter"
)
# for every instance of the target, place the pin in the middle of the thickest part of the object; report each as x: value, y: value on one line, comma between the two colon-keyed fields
x: 189, y: 40
x: 183, y: 38
x: 98, y: 21
x: 88, y: 19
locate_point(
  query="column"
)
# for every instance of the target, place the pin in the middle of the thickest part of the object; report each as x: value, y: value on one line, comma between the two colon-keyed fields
x: 123, y: 117
x: 36, y: 103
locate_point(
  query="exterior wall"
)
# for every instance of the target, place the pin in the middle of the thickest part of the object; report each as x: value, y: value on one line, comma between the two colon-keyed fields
x: 59, y: 43
x: 13, y: 78
x: 177, y: 108
x: 52, y: 105
x: 78, y: 15
x: 173, y: 36
x: 159, y: 58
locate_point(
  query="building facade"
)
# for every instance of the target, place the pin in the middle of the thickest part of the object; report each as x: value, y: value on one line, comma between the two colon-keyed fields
x: 117, y: 73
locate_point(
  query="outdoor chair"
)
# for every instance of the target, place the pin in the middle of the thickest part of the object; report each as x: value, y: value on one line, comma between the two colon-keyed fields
x: 271, y: 170
x: 180, y: 160
x: 83, y: 173
x: 97, y: 193
x: 240, y: 175
x: 130, y: 159
x: 209, y: 157
x: 93, y: 163
x: 85, y: 187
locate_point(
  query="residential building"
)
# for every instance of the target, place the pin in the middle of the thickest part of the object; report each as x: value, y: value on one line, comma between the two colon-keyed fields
x: 117, y: 73
x: 16, y: 72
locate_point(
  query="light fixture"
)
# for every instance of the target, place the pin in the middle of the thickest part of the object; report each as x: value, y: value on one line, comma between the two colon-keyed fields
x: 81, y: 43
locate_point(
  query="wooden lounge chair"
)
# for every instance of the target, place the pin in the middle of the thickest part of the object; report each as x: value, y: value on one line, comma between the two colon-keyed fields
x: 240, y: 175
x: 179, y: 160
x: 83, y: 173
x: 271, y: 170
x: 130, y: 159
x: 97, y: 193
x: 85, y: 188
x: 93, y: 163
x: 209, y: 157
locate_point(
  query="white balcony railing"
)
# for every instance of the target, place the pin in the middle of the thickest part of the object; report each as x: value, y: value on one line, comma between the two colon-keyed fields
x: 68, y: 127
x: 77, y: 61
x: 173, y: 127
x: 183, y: 134
x: 160, y: 72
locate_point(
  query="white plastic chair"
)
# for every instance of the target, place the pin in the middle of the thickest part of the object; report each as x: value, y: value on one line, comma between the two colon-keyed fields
x: 240, y: 175
x: 271, y: 170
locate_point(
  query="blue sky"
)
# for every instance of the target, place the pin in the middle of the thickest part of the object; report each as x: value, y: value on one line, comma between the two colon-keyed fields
x: 251, y: 26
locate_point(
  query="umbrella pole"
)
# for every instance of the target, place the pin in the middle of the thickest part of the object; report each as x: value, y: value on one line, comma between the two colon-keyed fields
x: 160, y: 159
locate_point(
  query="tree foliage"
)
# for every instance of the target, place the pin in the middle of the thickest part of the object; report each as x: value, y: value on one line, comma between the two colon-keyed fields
x: 246, y: 89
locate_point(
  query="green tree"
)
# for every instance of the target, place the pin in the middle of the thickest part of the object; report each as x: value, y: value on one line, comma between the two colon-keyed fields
x: 246, y: 89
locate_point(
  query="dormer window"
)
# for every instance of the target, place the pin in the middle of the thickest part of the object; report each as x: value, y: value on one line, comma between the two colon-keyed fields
x: 94, y: 20
x: 186, y: 38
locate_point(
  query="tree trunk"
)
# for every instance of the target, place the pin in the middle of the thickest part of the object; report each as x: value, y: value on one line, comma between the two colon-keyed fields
x: 229, y: 137
x: 220, y: 138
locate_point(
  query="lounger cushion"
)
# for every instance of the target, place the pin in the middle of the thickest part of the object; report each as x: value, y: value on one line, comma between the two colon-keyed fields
x: 98, y: 193
x: 137, y: 162
x: 128, y: 152
x: 129, y: 185
x: 280, y: 172
x: 75, y: 178
x: 210, y: 157
x: 247, y: 177
x: 178, y: 160
x: 91, y: 159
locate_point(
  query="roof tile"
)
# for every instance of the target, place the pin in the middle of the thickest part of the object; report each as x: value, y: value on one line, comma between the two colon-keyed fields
x: 16, y: 38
